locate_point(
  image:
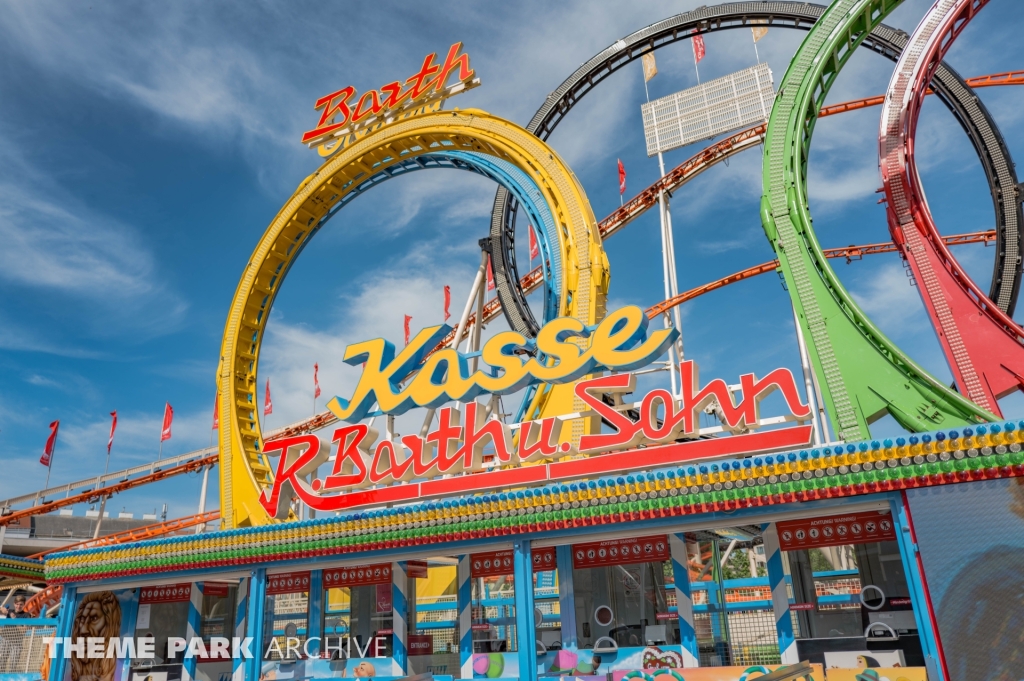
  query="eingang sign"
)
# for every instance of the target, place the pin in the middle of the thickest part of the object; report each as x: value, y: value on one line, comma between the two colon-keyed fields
x: 368, y: 472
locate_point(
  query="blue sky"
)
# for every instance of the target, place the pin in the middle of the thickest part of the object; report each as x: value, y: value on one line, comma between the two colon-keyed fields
x: 144, y: 149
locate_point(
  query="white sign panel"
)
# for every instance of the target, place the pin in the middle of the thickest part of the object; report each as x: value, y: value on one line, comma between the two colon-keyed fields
x: 738, y: 100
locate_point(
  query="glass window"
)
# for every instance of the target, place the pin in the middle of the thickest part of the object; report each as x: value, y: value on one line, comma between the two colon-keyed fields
x: 621, y: 598
x: 362, y: 614
x: 547, y: 608
x: 433, y: 641
x: 217, y: 614
x: 163, y: 613
x: 286, y: 616
x: 494, y: 614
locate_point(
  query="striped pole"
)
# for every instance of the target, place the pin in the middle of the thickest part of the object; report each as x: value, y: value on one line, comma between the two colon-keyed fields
x: 254, y: 621
x: 684, y: 601
x: 400, y: 613
x: 522, y: 562
x: 780, y: 595
x: 465, y: 597
x: 68, y: 600
x: 237, y: 666
x: 195, y: 607
x: 130, y: 609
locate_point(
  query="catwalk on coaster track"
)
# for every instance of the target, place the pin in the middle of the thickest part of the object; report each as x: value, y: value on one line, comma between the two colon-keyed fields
x: 982, y: 344
x: 950, y: 87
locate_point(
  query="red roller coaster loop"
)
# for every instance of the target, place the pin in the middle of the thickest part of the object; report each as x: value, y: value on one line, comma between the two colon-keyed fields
x: 983, y: 345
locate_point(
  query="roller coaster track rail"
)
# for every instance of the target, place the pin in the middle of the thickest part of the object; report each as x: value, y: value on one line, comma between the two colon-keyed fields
x: 886, y: 41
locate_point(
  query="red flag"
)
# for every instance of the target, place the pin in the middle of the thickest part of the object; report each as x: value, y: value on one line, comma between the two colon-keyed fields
x: 113, y: 427
x: 490, y: 276
x: 316, y: 381
x: 407, y: 320
x: 216, y: 412
x: 165, y: 432
x: 51, y: 442
x: 622, y: 178
x: 534, y: 248
x: 447, y: 302
x: 268, y: 405
x: 698, y: 48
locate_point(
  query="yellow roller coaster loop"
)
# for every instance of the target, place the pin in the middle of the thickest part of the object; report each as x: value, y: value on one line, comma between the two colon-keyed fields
x: 244, y: 471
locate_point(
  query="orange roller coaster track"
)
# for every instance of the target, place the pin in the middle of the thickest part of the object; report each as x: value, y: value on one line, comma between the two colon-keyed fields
x: 851, y: 253
x: 139, y: 533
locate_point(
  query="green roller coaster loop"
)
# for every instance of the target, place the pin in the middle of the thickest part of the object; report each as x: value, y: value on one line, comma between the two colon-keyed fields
x: 862, y: 373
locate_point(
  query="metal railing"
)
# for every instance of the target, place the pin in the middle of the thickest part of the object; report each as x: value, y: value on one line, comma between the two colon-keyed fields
x: 23, y: 644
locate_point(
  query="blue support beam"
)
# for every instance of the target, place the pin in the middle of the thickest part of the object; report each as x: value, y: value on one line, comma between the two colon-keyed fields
x: 915, y: 580
x: 68, y: 600
x: 522, y: 562
x: 254, y: 621
x: 316, y: 610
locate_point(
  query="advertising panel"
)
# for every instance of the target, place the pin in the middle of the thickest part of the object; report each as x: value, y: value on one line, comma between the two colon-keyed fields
x: 971, y: 541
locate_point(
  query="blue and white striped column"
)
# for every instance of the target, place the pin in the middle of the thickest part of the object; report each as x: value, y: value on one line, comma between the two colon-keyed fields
x: 684, y: 601
x: 68, y: 603
x: 465, y: 598
x: 526, y: 631
x: 780, y: 595
x: 566, y: 596
x: 254, y: 621
x: 195, y: 608
x: 399, y: 613
x: 237, y: 666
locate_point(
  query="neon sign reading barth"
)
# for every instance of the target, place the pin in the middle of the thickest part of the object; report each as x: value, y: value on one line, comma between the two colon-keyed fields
x: 369, y: 471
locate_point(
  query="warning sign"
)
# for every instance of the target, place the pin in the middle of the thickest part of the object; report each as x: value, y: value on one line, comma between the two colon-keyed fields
x: 620, y: 552
x: 850, y: 528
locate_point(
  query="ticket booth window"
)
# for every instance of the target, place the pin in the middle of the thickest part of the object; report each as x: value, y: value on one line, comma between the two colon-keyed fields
x: 851, y: 600
x: 218, y: 611
x: 494, y: 614
x: 620, y: 594
x: 163, y: 613
x: 433, y: 621
x: 358, y: 614
x: 286, y: 616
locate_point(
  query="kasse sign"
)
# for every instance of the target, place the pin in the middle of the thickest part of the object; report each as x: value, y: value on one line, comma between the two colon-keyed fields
x: 410, y: 467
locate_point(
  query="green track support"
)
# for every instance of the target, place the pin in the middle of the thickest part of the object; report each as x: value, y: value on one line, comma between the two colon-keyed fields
x: 862, y: 374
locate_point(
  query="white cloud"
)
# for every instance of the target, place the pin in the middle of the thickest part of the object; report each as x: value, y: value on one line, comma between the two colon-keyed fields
x: 97, y: 269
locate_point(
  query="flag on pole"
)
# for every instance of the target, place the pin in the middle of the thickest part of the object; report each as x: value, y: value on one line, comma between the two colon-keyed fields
x: 622, y: 178
x: 650, y: 66
x: 268, y: 404
x: 165, y: 431
x: 113, y: 427
x: 407, y: 320
x: 698, y: 48
x: 316, y: 381
x: 51, y: 442
x: 758, y: 31
x: 216, y: 412
x: 490, y: 275
x: 447, y: 302
x: 534, y: 247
